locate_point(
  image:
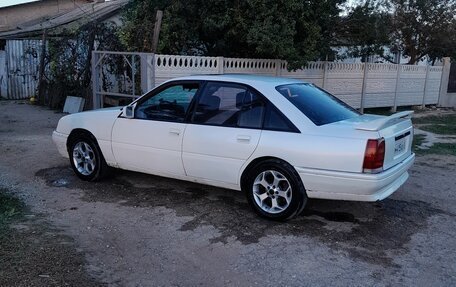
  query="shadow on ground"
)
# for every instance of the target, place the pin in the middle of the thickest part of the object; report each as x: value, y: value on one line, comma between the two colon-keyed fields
x: 371, y: 232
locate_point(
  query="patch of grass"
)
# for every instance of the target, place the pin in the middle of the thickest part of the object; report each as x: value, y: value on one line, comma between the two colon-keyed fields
x: 10, y: 207
x: 36, y: 254
x: 438, y: 124
x: 436, y: 148
x: 385, y: 111
x: 417, y: 141
x: 437, y: 119
x: 439, y: 148
x: 379, y: 111
x: 440, y: 129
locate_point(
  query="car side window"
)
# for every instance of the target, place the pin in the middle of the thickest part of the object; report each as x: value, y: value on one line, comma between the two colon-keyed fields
x: 170, y: 104
x: 252, y: 111
x: 276, y: 121
x: 229, y: 105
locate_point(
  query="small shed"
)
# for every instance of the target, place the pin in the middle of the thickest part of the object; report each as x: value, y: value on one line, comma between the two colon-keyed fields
x: 21, y: 47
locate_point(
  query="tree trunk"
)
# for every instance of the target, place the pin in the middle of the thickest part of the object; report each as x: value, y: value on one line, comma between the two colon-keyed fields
x: 412, y: 57
x: 41, y: 85
x: 87, y: 71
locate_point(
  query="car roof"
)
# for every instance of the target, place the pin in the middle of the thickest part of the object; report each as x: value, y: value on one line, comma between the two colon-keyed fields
x: 243, y: 79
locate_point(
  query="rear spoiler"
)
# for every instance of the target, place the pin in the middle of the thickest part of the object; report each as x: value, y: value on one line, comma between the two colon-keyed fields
x: 378, y: 124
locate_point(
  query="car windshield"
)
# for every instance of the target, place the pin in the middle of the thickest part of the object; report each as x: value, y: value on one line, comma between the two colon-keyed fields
x: 318, y: 105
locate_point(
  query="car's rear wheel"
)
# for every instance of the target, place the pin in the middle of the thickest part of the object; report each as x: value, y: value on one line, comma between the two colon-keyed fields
x: 274, y: 190
x: 86, y: 158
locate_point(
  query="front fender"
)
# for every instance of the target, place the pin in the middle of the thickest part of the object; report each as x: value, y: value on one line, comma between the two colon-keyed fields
x: 98, y: 122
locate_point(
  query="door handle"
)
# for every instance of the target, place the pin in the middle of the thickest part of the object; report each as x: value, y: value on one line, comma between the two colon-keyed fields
x: 174, y: 131
x: 243, y: 138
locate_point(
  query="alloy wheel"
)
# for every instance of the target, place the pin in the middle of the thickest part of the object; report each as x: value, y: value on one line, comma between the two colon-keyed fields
x: 272, y: 191
x: 84, y: 158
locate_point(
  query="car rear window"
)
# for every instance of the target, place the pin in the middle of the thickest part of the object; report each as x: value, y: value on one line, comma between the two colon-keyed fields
x: 318, y: 105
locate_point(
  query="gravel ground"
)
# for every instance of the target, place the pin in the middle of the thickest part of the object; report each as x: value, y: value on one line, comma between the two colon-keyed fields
x: 140, y: 230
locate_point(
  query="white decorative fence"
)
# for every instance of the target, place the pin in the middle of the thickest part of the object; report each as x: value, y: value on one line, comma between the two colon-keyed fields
x: 380, y: 85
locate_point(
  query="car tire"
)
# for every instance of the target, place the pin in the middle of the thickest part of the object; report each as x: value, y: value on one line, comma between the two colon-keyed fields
x: 275, y: 190
x: 86, y: 158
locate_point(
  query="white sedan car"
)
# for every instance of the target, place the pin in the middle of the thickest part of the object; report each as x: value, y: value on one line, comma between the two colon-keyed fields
x: 279, y: 140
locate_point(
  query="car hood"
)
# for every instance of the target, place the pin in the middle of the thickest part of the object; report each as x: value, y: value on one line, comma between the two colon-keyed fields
x: 98, y: 122
x: 104, y: 110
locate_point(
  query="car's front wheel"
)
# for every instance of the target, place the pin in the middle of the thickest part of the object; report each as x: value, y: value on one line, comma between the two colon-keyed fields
x: 274, y: 190
x: 86, y: 158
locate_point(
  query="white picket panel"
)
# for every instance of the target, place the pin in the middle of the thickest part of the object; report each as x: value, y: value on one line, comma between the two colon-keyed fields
x: 381, y: 85
x: 344, y: 80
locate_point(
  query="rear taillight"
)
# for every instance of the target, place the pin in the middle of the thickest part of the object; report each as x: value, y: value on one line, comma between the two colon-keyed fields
x: 374, y: 156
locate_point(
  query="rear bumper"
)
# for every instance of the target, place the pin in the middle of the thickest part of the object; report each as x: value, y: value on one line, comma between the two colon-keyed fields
x: 355, y: 186
x: 60, y: 141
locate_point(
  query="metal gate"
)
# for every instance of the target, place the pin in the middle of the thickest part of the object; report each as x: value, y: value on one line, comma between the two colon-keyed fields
x: 120, y: 75
x: 22, y: 68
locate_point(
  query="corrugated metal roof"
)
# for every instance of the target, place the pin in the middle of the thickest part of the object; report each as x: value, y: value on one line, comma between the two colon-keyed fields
x: 74, y: 18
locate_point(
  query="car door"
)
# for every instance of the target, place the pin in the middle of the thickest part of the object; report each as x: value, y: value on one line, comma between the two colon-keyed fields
x: 152, y: 140
x: 223, y: 133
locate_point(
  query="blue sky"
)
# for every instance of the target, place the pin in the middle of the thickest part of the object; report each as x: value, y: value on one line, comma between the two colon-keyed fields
x: 4, y: 3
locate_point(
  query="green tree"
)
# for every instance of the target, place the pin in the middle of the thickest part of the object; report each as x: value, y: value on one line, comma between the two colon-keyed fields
x: 294, y: 30
x: 68, y: 60
x: 365, y: 30
x: 423, y: 28
x: 138, y: 24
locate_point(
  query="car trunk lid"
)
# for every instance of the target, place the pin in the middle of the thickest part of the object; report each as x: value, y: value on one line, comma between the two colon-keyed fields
x: 396, y: 130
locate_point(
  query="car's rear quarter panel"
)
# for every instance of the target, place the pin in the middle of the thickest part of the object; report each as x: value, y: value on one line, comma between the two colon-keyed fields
x: 313, y: 151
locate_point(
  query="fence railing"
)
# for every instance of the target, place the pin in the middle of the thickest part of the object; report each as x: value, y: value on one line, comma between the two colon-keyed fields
x: 361, y: 85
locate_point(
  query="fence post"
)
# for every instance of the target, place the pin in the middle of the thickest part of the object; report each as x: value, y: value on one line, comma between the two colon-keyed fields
x: 443, y: 95
x: 133, y: 75
x: 363, y: 89
x: 143, y: 71
x: 221, y: 65
x: 157, y: 27
x: 41, y: 91
x: 278, y: 67
x: 325, y: 74
x: 425, y: 86
x: 96, y: 102
x: 398, y: 77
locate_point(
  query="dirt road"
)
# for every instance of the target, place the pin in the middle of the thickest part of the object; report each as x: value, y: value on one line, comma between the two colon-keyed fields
x: 141, y: 230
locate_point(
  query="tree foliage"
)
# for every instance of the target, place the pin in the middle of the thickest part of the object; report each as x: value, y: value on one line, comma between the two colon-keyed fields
x: 68, y: 60
x: 138, y: 24
x: 365, y: 30
x: 295, y: 30
x: 423, y: 28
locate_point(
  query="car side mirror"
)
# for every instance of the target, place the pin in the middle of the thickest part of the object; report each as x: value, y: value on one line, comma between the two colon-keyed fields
x: 129, y: 111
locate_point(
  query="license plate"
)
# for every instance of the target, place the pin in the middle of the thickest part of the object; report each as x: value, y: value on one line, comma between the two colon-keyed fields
x: 399, y: 146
